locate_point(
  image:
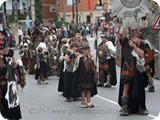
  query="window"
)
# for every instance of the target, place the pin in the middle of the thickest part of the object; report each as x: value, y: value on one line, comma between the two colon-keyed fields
x: 52, y: 8
x: 100, y: 3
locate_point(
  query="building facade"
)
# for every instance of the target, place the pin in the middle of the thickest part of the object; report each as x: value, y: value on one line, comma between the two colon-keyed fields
x: 88, y: 10
x: 48, y: 9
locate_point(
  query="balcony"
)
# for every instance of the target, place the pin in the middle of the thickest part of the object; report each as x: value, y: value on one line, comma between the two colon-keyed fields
x: 99, y: 7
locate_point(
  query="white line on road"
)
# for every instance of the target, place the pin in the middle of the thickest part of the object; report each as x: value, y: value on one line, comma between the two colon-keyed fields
x: 103, y: 98
x: 115, y: 103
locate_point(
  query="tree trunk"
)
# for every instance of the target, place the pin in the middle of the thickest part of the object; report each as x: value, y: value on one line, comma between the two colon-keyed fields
x: 33, y: 9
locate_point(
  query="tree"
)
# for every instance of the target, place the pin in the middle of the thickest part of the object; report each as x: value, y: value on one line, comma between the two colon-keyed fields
x: 38, y: 9
x: 154, y: 6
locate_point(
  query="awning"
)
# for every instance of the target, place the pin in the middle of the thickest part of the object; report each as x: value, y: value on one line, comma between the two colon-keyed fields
x: 102, y: 18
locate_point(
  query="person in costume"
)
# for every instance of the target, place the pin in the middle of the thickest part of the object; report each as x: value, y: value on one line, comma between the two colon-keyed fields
x: 106, y: 52
x: 150, y: 52
x: 133, y: 76
x: 64, y: 48
x: 86, y: 75
x: 32, y: 54
x: 23, y: 52
x: 69, y: 63
x: 41, y: 61
x: 8, y: 65
x: 111, y: 61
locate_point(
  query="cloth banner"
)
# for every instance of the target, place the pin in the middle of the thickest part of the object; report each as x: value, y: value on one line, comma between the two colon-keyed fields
x: 89, y: 4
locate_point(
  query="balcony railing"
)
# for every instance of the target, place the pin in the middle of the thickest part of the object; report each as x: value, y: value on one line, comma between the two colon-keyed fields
x: 99, y: 7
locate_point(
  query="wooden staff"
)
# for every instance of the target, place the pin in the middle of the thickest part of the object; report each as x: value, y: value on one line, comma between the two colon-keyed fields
x: 95, y: 43
x: 95, y: 47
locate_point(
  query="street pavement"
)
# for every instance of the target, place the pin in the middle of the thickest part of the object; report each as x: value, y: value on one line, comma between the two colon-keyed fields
x: 44, y: 102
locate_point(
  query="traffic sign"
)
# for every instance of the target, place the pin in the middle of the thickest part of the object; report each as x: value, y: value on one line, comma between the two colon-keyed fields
x: 156, y: 25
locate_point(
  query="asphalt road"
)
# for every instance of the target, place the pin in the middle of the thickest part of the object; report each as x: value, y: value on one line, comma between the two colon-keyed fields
x: 44, y: 102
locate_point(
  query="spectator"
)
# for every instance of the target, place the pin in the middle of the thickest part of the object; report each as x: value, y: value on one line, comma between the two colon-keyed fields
x: 1, y: 27
x: 20, y: 33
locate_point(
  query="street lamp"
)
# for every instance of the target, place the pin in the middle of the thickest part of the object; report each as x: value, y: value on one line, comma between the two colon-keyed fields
x: 73, y: 9
x: 64, y: 10
x: 76, y: 1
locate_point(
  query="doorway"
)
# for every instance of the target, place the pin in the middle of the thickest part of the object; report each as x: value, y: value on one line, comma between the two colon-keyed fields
x: 88, y: 19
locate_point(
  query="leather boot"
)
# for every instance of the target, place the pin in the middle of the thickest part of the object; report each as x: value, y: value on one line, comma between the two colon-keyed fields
x: 151, y: 86
x: 124, y: 109
x: 108, y: 83
x: 142, y: 110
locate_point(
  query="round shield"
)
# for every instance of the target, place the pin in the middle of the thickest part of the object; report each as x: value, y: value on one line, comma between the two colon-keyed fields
x: 131, y: 3
x: 102, y: 53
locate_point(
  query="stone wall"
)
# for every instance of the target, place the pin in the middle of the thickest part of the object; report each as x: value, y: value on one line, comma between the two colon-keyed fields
x: 83, y: 15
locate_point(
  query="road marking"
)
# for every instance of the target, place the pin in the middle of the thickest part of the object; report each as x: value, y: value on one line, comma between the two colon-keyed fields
x: 115, y: 103
x: 103, y: 98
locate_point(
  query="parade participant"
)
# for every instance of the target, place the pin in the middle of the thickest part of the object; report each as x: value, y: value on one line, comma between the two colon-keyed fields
x: 106, y: 53
x: 49, y: 57
x: 58, y: 51
x: 22, y: 75
x: 84, y: 31
x: 149, y: 54
x: 12, y: 40
x: 50, y: 24
x: 6, y: 55
x: 86, y: 76
x: 41, y: 61
x: 75, y: 92
x: 32, y: 54
x: 23, y: 52
x: 53, y: 39
x: 91, y: 29
x: 37, y: 29
x: 53, y: 54
x: 20, y: 33
x: 111, y: 35
x: 111, y: 61
x: 133, y: 76
x: 78, y: 39
x: 64, y: 48
x: 70, y: 58
x: 1, y: 26
x: 65, y: 32
x: 84, y: 41
x: 40, y: 66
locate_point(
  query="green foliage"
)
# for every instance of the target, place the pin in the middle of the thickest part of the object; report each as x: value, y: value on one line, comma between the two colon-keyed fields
x: 55, y: 19
x: 38, y: 9
x: 22, y: 16
x: 10, y: 18
x: 59, y: 23
x: 154, y: 6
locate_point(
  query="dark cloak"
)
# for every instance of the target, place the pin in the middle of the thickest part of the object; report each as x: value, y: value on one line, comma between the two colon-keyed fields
x: 137, y: 82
